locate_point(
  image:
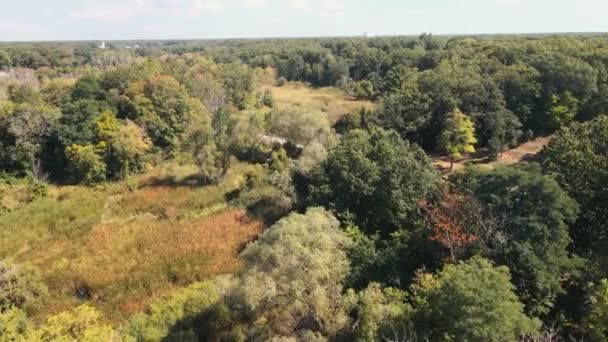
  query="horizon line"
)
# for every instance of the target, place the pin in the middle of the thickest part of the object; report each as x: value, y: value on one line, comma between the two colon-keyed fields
x: 507, y: 34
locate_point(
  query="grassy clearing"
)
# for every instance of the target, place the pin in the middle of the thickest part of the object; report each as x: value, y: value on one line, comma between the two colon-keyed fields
x: 330, y: 100
x: 120, y: 249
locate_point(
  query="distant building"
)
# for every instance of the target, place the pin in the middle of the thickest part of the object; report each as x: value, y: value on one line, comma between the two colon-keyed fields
x: 103, y: 45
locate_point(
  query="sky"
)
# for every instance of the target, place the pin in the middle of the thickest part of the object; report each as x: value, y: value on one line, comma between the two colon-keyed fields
x: 202, y: 19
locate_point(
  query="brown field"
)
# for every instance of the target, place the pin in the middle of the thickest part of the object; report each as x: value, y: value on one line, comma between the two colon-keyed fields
x: 120, y: 249
x: 330, y: 100
x: 121, y: 267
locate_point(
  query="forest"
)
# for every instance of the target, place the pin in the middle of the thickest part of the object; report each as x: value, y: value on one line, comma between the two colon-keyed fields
x: 305, y: 189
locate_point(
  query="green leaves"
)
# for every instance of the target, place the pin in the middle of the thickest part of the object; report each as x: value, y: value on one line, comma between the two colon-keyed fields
x: 536, y: 214
x: 294, y: 274
x: 578, y: 157
x: 377, y: 178
x: 458, y: 135
x: 470, y: 301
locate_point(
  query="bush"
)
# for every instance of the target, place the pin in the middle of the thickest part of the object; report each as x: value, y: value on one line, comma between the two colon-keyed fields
x: 597, y: 321
x: 85, y: 164
x: 20, y: 286
x: 176, y: 317
x: 80, y: 324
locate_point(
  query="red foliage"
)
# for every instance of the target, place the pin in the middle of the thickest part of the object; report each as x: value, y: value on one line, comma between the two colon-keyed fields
x: 449, y: 220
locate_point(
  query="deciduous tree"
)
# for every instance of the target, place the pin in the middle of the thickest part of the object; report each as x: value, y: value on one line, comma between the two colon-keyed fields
x: 457, y: 136
x: 470, y: 301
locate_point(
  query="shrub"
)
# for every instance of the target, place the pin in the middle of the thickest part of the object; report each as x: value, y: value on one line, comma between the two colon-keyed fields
x: 281, y: 81
x: 85, y: 164
x: 20, y: 286
x: 597, y: 321
x: 175, y: 317
x: 80, y: 324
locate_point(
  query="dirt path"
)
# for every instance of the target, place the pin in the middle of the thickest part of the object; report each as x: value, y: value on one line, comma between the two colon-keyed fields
x: 512, y: 156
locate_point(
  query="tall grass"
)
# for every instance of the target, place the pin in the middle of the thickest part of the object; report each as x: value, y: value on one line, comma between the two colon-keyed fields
x: 120, y: 248
x: 333, y: 101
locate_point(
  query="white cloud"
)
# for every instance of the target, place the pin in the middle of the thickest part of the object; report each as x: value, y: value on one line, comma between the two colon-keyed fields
x: 110, y: 12
x: 253, y: 3
x: 322, y: 8
x: 332, y: 8
x: 148, y: 8
x: 210, y: 6
x: 509, y: 2
x: 13, y: 29
x: 300, y: 5
x: 48, y: 13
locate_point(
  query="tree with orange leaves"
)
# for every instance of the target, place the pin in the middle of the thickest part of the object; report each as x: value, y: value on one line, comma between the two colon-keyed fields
x: 450, y: 221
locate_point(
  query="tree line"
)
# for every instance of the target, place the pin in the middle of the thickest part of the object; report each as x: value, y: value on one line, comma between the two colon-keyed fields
x: 367, y: 241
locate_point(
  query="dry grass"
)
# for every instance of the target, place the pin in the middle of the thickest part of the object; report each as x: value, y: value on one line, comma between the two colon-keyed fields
x: 121, y: 267
x: 121, y: 249
x: 330, y: 100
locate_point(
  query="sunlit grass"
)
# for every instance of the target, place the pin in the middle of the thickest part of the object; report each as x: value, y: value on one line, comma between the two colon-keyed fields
x: 333, y: 101
x: 120, y: 246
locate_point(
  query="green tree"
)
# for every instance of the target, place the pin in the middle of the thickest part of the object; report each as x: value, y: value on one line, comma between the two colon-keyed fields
x: 470, y: 301
x: 375, y: 180
x: 5, y: 60
x: 562, y: 110
x: 457, y: 136
x: 294, y: 273
x: 58, y: 92
x: 407, y: 111
x: 239, y: 84
x: 31, y: 126
x: 597, y: 321
x: 301, y: 125
x: 129, y: 143
x: 170, y: 111
x: 85, y: 164
x: 364, y: 90
x: 223, y: 124
x: 597, y: 105
x: 534, y: 213
x: 381, y: 313
x: 576, y: 155
x: 503, y: 130
x: 77, y: 124
x: 88, y: 87
x: 522, y: 90
x: 22, y: 93
x: 201, y: 145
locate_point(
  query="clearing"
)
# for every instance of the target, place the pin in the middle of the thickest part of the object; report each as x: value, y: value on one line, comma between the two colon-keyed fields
x: 515, y: 155
x: 332, y: 101
x: 119, y: 246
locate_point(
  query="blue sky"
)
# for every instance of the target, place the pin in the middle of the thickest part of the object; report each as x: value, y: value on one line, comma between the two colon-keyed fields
x: 151, y: 19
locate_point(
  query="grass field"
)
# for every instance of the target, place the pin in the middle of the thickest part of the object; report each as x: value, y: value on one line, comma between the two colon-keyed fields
x: 120, y: 248
x: 330, y: 100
